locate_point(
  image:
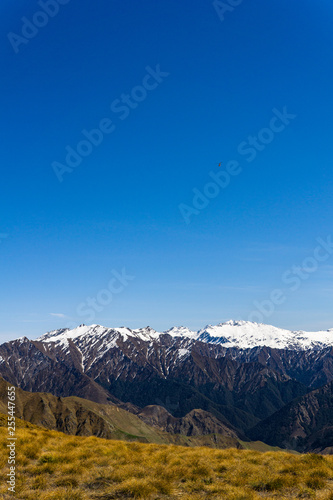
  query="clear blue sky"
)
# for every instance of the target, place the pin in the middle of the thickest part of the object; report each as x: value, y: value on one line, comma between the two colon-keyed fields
x: 119, y: 208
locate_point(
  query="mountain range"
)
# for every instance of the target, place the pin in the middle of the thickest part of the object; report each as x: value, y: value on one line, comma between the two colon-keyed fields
x: 237, y: 379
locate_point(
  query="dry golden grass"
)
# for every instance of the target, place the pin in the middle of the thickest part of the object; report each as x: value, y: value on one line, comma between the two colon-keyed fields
x: 54, y: 466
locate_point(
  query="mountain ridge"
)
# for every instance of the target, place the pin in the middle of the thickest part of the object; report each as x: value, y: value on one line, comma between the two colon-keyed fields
x: 232, y: 333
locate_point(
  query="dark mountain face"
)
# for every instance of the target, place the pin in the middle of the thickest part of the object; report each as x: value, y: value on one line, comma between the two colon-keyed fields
x: 305, y: 424
x: 263, y: 394
x: 312, y: 367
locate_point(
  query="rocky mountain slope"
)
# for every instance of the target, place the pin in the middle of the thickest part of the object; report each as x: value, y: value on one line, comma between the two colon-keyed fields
x: 305, y: 424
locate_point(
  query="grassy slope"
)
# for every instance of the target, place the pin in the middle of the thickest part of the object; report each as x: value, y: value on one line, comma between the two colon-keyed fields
x: 260, y: 446
x: 55, y: 466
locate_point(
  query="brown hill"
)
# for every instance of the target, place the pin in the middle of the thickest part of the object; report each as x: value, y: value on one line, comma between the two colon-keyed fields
x: 195, y: 423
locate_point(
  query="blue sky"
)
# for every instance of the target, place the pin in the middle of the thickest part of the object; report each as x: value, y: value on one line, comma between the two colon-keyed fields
x: 62, y: 242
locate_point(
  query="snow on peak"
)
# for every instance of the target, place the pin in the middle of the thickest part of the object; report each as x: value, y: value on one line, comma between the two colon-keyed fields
x: 65, y: 333
x: 181, y: 331
x: 84, y: 332
x: 146, y: 333
x: 247, y: 334
x: 233, y: 322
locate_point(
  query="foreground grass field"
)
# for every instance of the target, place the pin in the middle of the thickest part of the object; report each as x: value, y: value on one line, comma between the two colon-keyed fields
x: 55, y: 466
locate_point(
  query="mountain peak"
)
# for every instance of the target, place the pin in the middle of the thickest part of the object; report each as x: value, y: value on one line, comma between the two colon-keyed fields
x: 181, y: 331
x: 238, y: 322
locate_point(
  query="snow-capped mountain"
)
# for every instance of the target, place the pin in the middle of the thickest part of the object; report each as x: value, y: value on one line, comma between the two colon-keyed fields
x: 240, y: 371
x: 240, y: 334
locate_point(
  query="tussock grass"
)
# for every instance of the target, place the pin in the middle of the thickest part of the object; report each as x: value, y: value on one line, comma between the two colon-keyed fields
x: 54, y: 466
